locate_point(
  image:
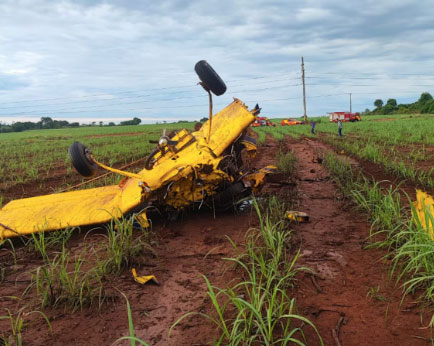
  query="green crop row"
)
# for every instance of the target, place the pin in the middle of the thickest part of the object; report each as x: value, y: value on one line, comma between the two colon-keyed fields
x: 71, y: 279
x: 393, y: 130
x: 410, y: 246
x: 39, y: 155
x: 258, y: 308
x: 401, y: 144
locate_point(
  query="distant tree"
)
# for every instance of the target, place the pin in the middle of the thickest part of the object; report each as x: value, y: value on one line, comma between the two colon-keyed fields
x: 402, y: 109
x: 46, y: 123
x: 75, y: 124
x: 18, y: 127
x: 101, y: 123
x: 57, y: 124
x: 392, y: 102
x: 135, y: 121
x: 387, y: 109
x: 378, y: 103
x: 424, y: 98
x: 28, y: 125
x: 428, y: 107
x: 203, y: 120
x: 4, y: 128
x: 111, y: 123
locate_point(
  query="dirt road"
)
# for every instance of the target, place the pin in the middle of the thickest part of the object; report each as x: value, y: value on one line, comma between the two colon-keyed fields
x: 352, y: 283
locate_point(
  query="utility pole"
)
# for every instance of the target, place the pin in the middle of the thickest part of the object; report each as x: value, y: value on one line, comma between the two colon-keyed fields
x: 304, y: 90
x: 351, y: 110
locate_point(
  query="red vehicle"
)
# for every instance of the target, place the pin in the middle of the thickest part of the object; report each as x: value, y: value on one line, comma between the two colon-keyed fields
x: 262, y: 121
x: 344, y: 116
x: 291, y: 122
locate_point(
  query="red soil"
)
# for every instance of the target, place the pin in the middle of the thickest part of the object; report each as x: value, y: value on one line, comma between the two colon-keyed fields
x: 332, y: 244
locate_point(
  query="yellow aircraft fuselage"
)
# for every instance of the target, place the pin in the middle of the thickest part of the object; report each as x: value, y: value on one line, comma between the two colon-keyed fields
x: 188, y: 173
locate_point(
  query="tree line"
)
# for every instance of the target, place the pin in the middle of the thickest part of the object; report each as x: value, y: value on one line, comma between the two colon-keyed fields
x: 49, y: 123
x: 425, y: 105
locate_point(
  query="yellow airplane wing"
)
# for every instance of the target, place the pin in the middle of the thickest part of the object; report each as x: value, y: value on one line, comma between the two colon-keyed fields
x: 68, y: 209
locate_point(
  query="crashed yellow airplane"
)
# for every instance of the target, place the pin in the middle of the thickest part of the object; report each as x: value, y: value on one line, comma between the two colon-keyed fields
x: 204, y: 166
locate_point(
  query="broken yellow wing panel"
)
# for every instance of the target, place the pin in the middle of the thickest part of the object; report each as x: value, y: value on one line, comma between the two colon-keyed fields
x: 69, y: 209
x: 227, y: 125
x: 424, y: 207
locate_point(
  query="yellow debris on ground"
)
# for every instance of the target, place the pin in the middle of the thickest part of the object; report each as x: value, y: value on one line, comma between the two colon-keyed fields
x: 297, y: 216
x: 143, y: 279
x: 424, y: 208
x: 257, y: 179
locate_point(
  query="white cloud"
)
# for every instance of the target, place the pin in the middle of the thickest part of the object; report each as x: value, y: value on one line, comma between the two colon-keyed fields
x: 63, y: 52
x: 311, y: 14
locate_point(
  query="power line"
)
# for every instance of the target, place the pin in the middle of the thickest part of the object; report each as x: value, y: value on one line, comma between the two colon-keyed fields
x: 368, y: 78
x: 86, y: 108
x: 130, y: 97
x: 202, y: 105
x: 194, y: 106
x: 375, y: 74
x: 344, y: 84
x: 327, y: 95
x: 139, y: 98
x: 138, y: 91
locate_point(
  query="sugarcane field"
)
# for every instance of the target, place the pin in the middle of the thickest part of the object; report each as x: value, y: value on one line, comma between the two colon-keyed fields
x: 169, y: 177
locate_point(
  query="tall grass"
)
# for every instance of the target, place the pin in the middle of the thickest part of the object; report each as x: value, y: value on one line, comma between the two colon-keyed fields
x: 384, y: 208
x: 32, y: 156
x: 395, y: 162
x: 258, y: 310
x: 17, y: 325
x: 66, y: 279
x: 342, y: 172
x: 63, y: 280
x: 414, y: 259
x: 286, y: 161
x: 40, y: 243
x: 132, y: 337
x: 123, y: 245
x: 406, y: 237
x: 382, y: 205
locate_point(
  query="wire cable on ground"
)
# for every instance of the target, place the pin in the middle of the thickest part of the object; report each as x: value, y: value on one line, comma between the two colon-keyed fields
x: 102, y: 176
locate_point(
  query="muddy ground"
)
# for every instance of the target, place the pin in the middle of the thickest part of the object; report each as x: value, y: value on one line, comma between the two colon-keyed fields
x: 333, y: 244
x: 352, y: 284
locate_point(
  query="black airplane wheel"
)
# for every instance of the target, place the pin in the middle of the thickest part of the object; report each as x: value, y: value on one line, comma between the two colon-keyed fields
x: 210, y: 78
x: 80, y: 158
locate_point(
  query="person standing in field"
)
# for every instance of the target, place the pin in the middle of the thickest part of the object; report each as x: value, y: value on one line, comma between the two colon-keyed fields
x: 313, y: 127
x: 340, y: 128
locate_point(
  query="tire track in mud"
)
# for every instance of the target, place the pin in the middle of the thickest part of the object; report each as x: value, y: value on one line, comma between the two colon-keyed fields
x: 351, y: 288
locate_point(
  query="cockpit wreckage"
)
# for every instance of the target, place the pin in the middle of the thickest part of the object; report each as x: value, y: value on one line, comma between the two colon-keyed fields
x: 203, y: 167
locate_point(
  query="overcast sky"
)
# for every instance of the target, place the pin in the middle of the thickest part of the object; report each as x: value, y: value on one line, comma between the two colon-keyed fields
x: 92, y: 60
